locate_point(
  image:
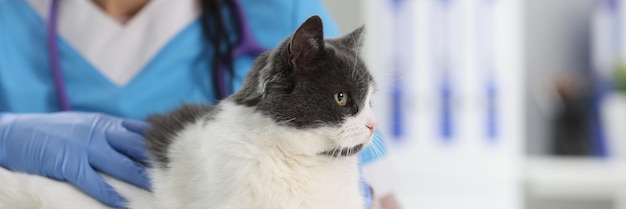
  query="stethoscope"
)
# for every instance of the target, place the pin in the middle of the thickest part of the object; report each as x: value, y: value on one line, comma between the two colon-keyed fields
x: 246, y: 46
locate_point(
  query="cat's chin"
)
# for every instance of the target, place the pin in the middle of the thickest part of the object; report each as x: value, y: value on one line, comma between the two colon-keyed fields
x: 345, y: 152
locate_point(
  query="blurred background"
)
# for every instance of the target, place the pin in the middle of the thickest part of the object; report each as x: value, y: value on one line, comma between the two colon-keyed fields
x: 503, y: 104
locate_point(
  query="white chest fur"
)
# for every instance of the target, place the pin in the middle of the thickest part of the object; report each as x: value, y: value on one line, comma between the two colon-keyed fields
x: 252, y: 163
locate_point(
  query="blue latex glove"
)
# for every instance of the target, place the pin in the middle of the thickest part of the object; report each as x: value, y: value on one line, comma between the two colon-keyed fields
x: 70, y: 146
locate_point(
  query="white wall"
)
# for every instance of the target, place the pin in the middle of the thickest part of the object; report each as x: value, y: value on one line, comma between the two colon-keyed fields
x: 347, y: 13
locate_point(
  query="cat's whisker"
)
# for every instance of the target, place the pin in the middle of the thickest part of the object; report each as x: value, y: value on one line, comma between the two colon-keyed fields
x: 374, y: 149
x: 371, y: 151
x: 375, y: 142
x: 376, y: 146
x: 334, y: 155
x: 351, y: 151
x: 341, y: 152
x: 286, y: 121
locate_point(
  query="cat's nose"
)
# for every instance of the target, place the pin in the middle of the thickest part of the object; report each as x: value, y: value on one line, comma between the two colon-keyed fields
x: 371, y: 125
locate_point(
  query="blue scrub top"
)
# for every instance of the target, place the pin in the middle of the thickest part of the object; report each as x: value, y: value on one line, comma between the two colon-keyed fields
x: 178, y: 73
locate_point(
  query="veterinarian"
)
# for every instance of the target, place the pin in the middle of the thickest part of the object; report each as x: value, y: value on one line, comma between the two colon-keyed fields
x: 78, y: 76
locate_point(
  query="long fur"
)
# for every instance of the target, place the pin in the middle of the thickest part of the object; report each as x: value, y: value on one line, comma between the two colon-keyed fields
x: 252, y: 154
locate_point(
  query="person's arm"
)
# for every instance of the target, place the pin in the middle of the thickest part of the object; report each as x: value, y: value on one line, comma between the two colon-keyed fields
x: 71, y: 146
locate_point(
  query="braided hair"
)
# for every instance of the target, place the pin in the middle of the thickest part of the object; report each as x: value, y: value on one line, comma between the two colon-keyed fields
x: 214, y: 26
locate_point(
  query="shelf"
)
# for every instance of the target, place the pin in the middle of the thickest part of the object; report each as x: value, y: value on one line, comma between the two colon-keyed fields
x: 569, y: 177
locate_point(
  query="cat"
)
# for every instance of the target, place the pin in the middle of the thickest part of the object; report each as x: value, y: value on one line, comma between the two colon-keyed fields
x: 289, y: 138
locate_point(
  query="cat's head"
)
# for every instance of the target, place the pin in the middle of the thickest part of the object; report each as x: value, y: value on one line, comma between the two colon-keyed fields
x: 317, y: 87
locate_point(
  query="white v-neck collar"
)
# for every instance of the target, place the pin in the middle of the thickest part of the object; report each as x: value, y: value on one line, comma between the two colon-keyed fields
x: 119, y: 51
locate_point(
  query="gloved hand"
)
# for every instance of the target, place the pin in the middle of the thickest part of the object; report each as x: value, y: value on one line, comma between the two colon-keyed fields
x: 70, y: 146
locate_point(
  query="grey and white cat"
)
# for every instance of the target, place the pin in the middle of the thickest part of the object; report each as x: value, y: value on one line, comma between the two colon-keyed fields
x: 287, y: 139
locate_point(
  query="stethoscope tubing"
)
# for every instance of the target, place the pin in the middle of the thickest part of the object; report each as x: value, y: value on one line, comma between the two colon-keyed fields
x: 247, y: 45
x: 55, y: 61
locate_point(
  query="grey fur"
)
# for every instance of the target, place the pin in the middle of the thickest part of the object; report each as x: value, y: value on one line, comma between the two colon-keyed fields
x: 302, y: 75
x: 165, y: 127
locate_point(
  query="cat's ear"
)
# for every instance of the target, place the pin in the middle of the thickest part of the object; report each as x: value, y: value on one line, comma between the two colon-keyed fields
x: 353, y: 40
x: 307, y: 42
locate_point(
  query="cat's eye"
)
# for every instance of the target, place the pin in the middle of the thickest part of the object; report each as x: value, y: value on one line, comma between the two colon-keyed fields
x: 341, y: 98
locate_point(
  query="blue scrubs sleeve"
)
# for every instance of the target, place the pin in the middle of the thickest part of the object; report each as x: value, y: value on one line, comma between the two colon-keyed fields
x: 2, y: 55
x: 2, y: 18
